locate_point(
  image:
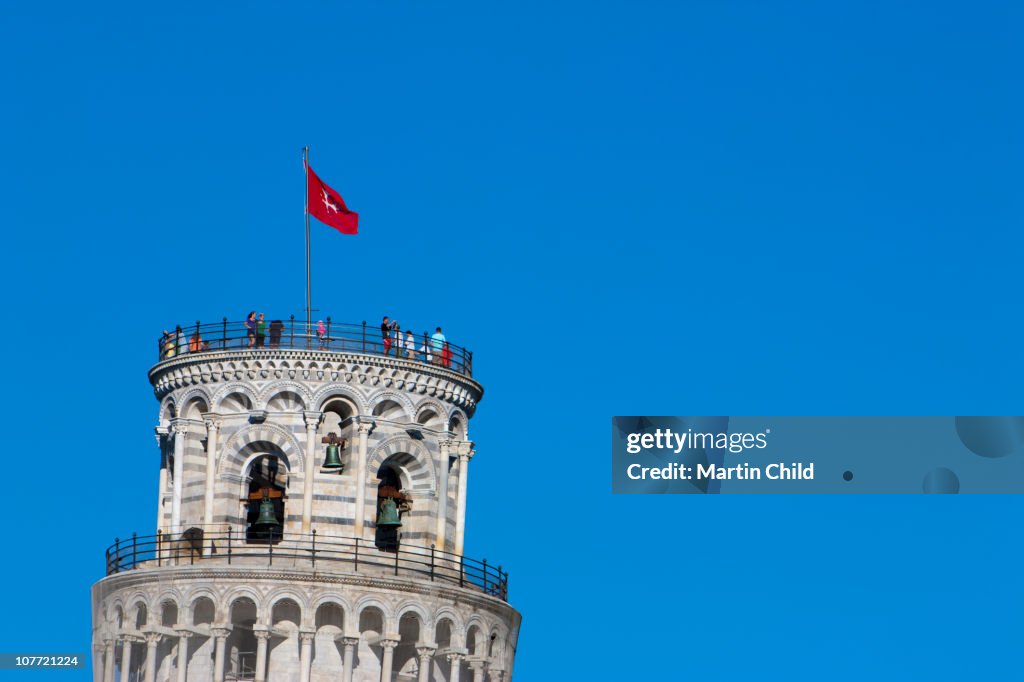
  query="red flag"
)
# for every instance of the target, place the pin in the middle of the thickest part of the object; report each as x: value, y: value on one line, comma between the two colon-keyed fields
x: 327, y: 206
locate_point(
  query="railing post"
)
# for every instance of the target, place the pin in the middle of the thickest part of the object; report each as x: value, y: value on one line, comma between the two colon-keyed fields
x: 159, y: 548
x: 229, y: 545
x: 314, y: 536
x: 462, y: 571
x: 364, y: 342
x: 431, y: 562
x: 270, y: 539
x: 327, y: 339
x: 426, y: 347
x: 397, y: 550
x: 485, y: 576
x: 134, y: 553
x: 356, y: 561
x: 292, y: 333
x: 502, y: 584
x: 117, y: 555
x: 469, y: 362
x: 198, y: 345
x: 224, y: 334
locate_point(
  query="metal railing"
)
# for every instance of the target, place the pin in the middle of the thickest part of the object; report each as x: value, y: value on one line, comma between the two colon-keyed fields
x: 290, y: 334
x: 306, y: 551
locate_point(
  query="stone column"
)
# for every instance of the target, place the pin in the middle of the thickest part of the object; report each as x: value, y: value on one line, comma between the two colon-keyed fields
x: 306, y: 654
x: 442, y: 495
x: 312, y: 421
x: 212, y: 421
x: 108, y: 659
x: 455, y: 661
x: 466, y: 453
x: 180, y: 428
x: 350, y: 649
x: 389, y: 655
x: 182, y: 664
x: 262, y: 633
x: 221, y: 638
x: 426, y: 654
x: 152, y: 639
x: 161, y: 442
x: 98, y: 647
x: 363, y: 428
x: 478, y: 670
x: 126, y: 657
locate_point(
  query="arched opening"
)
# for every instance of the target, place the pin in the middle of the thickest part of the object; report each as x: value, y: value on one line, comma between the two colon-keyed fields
x: 391, y: 503
x: 337, y: 420
x: 443, y: 637
x: 390, y: 410
x: 267, y: 478
x: 327, y: 649
x: 284, y: 641
x: 200, y: 660
x: 406, y: 661
x: 369, y: 653
x: 167, y: 647
x: 241, y: 643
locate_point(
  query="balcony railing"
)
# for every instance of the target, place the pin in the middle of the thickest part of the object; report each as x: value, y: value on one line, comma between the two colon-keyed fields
x: 307, y: 552
x: 290, y: 334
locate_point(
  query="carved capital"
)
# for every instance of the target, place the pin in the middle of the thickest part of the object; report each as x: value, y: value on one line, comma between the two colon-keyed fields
x: 307, y: 636
x: 363, y: 425
x: 476, y: 664
x: 350, y: 641
x: 220, y: 632
x: 455, y: 658
x: 388, y: 644
x: 153, y: 638
x: 425, y: 651
x: 212, y: 421
x: 312, y: 419
x: 179, y: 426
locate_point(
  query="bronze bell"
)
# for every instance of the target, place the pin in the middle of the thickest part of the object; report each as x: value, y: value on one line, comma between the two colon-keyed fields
x: 267, y: 516
x: 388, y: 513
x: 333, y: 459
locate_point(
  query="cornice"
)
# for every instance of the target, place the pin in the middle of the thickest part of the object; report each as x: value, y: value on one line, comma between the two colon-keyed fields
x: 371, y: 372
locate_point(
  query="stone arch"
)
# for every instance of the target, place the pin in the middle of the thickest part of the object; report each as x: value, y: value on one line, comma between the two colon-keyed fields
x: 409, y: 606
x: 168, y: 410
x: 198, y: 610
x: 276, y: 388
x: 409, y: 455
x: 458, y: 424
x: 244, y: 592
x: 335, y: 390
x: 373, y: 602
x: 333, y: 598
x: 248, y: 440
x: 475, y: 637
x: 194, y: 396
x: 432, y: 414
x: 451, y: 615
x: 380, y: 398
x: 220, y: 398
x: 281, y: 594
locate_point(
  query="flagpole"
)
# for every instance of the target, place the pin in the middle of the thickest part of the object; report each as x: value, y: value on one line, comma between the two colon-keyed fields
x: 305, y: 202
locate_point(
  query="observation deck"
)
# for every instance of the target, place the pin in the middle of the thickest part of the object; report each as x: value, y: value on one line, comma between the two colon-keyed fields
x: 356, y: 353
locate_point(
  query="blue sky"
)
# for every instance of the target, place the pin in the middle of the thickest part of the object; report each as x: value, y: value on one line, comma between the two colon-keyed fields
x: 621, y: 208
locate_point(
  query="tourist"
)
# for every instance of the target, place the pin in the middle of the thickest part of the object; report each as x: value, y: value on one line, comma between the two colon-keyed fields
x: 195, y: 344
x: 168, y: 344
x: 321, y: 334
x: 276, y: 329
x: 250, y: 328
x: 425, y: 352
x: 410, y: 345
x: 437, y: 342
x: 385, y: 329
x: 261, y: 331
x: 446, y: 356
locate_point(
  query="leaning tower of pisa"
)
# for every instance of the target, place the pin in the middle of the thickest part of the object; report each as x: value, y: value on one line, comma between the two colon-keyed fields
x: 310, y: 516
